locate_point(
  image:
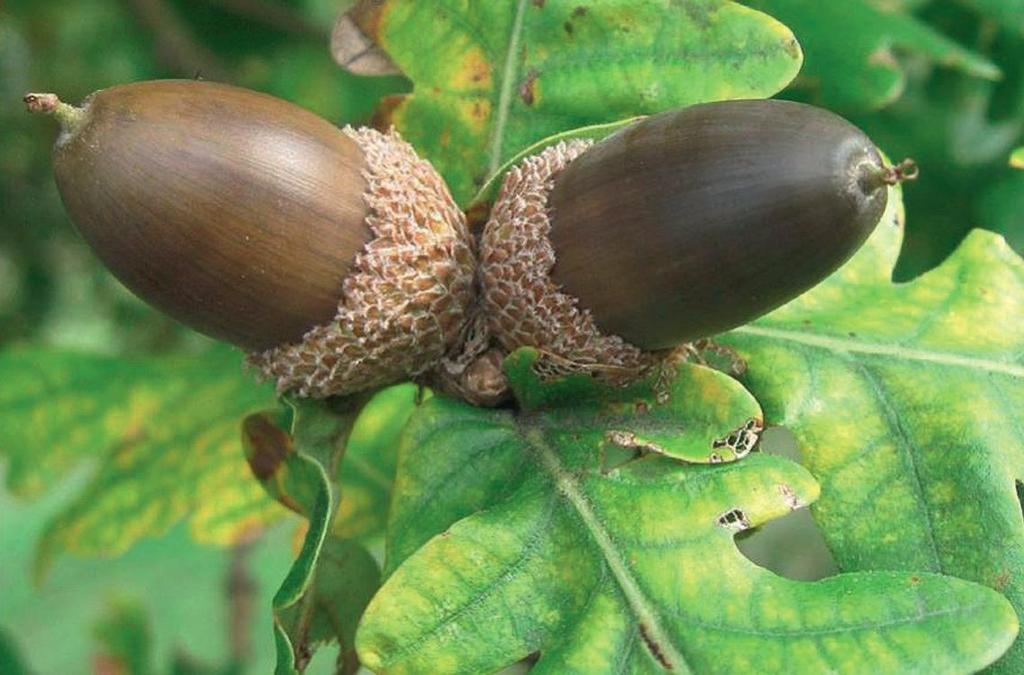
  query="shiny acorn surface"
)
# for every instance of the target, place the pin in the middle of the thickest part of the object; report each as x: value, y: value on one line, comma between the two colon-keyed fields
x: 233, y: 211
x: 695, y: 221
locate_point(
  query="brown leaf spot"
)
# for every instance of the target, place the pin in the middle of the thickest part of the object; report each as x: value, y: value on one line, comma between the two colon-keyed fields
x: 267, y: 445
x: 654, y: 648
x: 474, y: 71
x: 568, y: 27
x: 368, y: 15
x: 384, y: 115
x: 526, y: 87
x: 579, y: 12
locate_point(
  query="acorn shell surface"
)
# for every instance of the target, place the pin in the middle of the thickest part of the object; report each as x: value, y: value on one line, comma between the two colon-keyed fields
x: 235, y: 212
x: 695, y: 221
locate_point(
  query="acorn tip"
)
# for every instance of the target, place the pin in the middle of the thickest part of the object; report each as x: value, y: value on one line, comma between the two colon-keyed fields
x: 907, y: 170
x: 41, y: 103
x: 69, y: 117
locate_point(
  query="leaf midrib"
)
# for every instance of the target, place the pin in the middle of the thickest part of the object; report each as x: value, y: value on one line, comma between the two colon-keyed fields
x: 643, y: 608
x: 505, y: 94
x: 894, y: 351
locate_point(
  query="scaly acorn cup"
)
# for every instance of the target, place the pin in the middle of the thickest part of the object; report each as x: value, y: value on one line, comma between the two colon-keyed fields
x: 337, y: 258
x: 680, y: 226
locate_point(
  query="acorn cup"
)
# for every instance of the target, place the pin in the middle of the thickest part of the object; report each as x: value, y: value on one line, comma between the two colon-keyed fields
x: 337, y: 258
x: 683, y: 225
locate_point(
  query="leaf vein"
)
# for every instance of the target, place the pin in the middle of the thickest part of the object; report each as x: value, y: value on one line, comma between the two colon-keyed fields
x: 839, y: 344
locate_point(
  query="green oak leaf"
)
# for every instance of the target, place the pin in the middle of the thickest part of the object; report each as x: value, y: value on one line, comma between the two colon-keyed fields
x: 491, y: 78
x: 163, y: 433
x: 595, y: 132
x: 296, y: 454
x: 617, y: 424
x: 539, y: 547
x: 907, y: 401
x: 346, y: 578
x: 852, y: 50
x: 1017, y: 158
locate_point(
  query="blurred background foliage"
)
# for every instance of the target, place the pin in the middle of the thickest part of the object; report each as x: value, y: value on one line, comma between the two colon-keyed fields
x: 51, y: 288
x: 165, y: 605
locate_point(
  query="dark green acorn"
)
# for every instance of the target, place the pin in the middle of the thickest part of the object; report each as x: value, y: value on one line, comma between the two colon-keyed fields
x: 680, y: 226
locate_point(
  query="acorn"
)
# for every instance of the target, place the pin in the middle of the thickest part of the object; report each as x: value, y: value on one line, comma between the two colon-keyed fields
x: 680, y: 226
x: 336, y: 257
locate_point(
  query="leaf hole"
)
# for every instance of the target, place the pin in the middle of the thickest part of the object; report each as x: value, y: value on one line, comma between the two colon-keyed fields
x: 742, y: 440
x: 734, y: 519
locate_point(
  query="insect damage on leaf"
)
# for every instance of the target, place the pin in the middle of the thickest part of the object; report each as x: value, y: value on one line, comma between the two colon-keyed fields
x: 635, y: 569
x: 629, y: 441
x: 741, y: 441
x: 791, y: 498
x: 733, y: 519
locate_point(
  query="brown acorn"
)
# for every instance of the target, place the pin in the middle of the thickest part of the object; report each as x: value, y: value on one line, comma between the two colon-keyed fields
x: 338, y: 258
x: 680, y: 226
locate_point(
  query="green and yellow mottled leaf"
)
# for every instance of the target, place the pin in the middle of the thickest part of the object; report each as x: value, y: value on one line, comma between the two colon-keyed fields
x: 616, y: 424
x: 163, y: 433
x: 1017, y: 158
x: 493, y: 77
x: 541, y: 548
x: 853, y: 50
x: 907, y: 401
